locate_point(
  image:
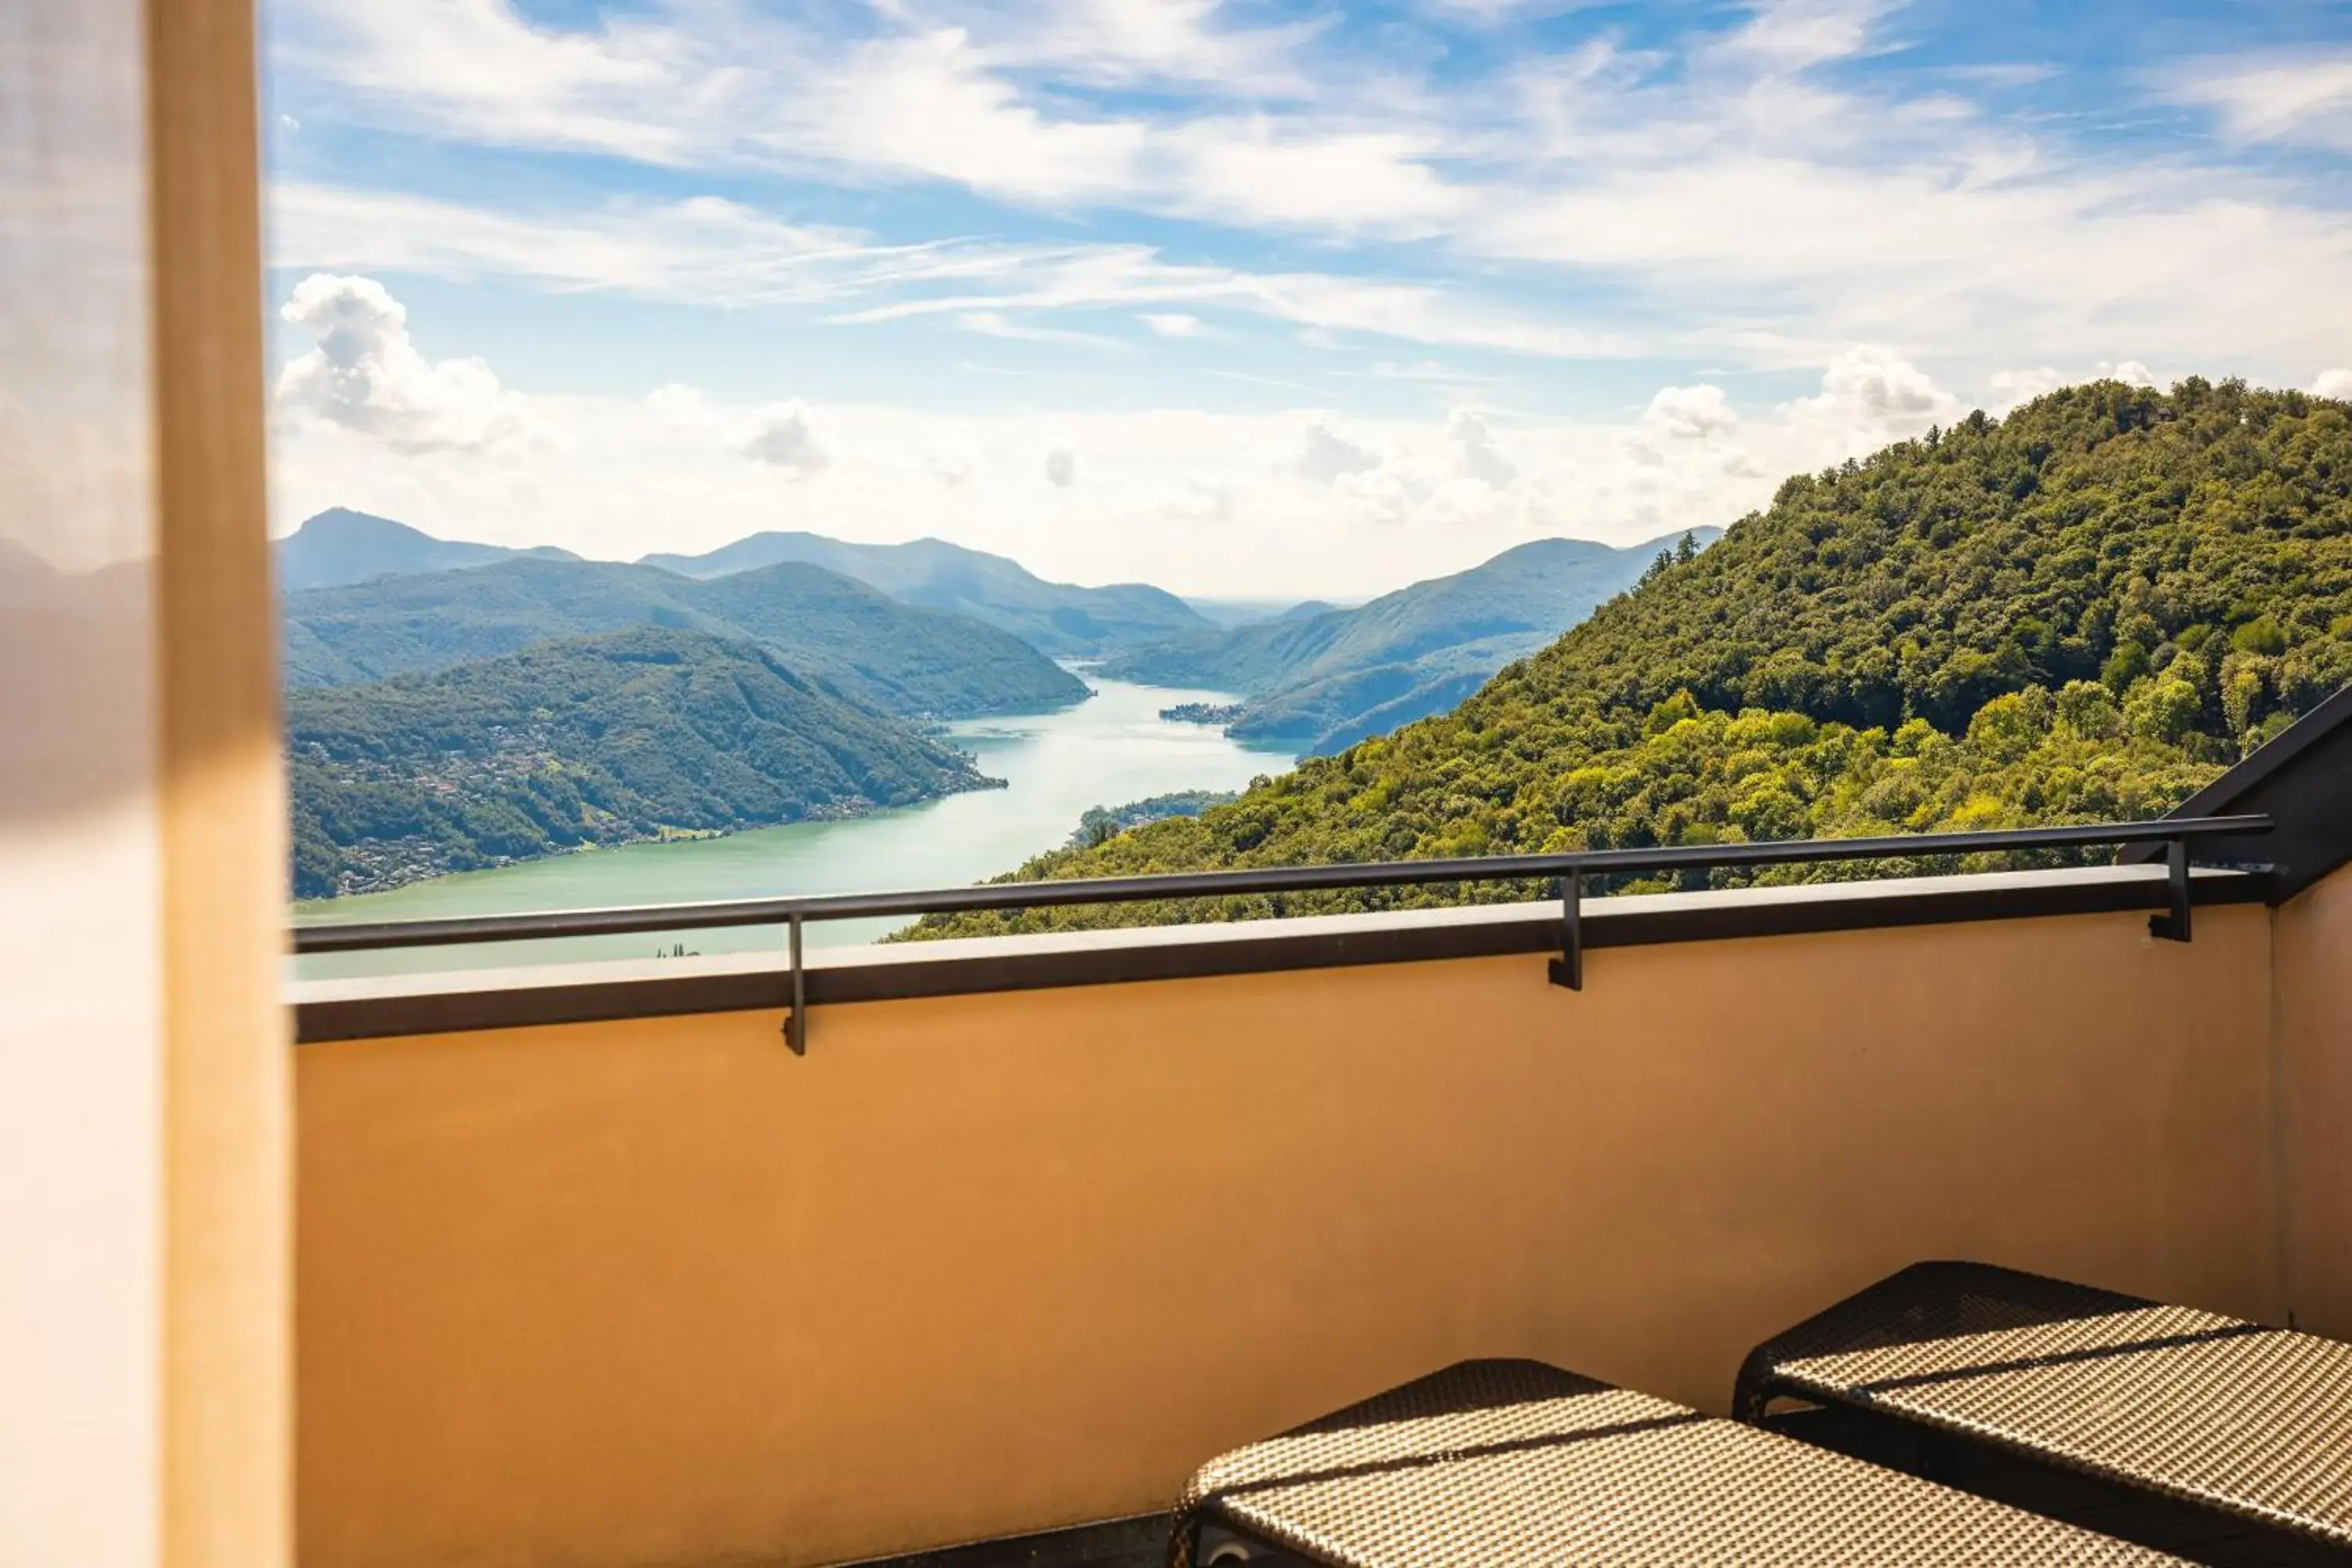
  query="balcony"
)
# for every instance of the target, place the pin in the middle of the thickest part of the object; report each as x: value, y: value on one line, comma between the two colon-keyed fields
x: 592, y: 1268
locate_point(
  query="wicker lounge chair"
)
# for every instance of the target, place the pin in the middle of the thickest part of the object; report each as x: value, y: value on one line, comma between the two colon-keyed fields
x: 2232, y: 1419
x: 1499, y: 1464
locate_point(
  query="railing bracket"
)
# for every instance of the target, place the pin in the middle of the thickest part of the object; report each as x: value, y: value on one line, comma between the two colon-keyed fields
x: 1568, y: 968
x: 2173, y: 925
x: 796, y: 1019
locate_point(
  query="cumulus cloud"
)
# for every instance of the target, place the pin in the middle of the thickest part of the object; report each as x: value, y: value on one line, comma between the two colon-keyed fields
x: 784, y: 436
x: 681, y: 407
x: 2012, y: 387
x: 1061, y: 467
x: 1387, y: 495
x: 364, y: 373
x: 1476, y: 455
x: 953, y: 459
x: 1691, y: 412
x: 2333, y: 384
x: 1327, y: 455
x: 1874, y: 394
x: 2130, y: 372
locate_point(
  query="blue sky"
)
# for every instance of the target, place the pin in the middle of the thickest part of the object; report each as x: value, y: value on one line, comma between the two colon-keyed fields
x: 1253, y: 297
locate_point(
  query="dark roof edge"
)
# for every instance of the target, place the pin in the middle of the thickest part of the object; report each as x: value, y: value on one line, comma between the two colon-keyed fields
x: 333, y: 1010
x: 2303, y: 781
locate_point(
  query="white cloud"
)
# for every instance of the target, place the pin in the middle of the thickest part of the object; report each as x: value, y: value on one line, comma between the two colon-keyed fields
x: 2337, y: 383
x: 1254, y: 171
x: 2130, y: 372
x: 928, y: 105
x: 714, y: 252
x: 784, y: 436
x: 2012, y: 387
x: 1877, y: 395
x: 1172, y: 323
x: 365, y: 375
x: 1061, y: 467
x: 1790, y: 34
x: 1330, y: 506
x: 2304, y: 99
x: 1477, y: 456
x: 1738, y: 194
x: 1125, y: 42
x: 1692, y: 413
x: 1325, y: 455
x: 995, y: 324
x: 1386, y: 497
x: 681, y: 406
x: 954, y: 459
x: 1427, y: 370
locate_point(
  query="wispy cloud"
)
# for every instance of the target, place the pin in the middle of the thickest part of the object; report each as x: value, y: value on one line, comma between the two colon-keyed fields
x: 992, y: 324
x: 2304, y: 99
x: 1748, y: 189
x: 720, y: 253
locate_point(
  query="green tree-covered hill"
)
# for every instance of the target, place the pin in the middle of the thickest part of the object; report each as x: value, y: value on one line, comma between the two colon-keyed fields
x: 596, y: 741
x: 2083, y: 611
x: 858, y: 642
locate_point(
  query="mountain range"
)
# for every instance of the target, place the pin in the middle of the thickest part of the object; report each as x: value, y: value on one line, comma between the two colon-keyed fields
x: 1327, y: 679
x: 590, y: 740
x: 2082, y: 612
x: 1056, y: 618
x: 339, y: 546
x: 863, y: 645
x: 408, y: 658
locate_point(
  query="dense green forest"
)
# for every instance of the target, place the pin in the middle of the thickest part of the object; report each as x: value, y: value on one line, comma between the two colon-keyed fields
x: 1326, y: 680
x: 1097, y: 824
x: 2083, y: 611
x: 598, y: 740
x: 858, y: 643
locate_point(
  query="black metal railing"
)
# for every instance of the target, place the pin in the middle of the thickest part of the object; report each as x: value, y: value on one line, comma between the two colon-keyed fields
x: 1568, y: 869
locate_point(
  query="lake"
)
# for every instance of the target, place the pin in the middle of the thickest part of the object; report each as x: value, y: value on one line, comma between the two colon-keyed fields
x: 1110, y: 749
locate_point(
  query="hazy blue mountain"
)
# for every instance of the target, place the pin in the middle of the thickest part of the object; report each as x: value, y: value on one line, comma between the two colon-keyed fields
x: 339, y: 546
x: 860, y: 644
x: 1060, y: 619
x: 607, y: 740
x: 1327, y: 680
x: 1249, y: 612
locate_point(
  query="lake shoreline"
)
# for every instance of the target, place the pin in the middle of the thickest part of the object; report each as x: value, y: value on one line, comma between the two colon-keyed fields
x: 1107, y: 751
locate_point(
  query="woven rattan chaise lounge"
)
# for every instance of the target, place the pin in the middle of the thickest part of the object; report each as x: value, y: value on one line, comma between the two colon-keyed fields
x: 2240, y: 1422
x: 1496, y: 1464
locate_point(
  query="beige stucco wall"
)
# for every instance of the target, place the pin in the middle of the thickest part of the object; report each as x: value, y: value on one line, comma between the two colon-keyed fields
x: 658, y: 1292
x: 2313, y: 977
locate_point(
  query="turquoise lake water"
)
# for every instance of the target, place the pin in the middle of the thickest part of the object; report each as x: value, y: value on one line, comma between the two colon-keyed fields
x: 1109, y: 750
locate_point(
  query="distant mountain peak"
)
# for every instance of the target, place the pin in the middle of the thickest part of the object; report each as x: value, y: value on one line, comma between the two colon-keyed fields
x: 339, y: 545
x: 1058, y: 618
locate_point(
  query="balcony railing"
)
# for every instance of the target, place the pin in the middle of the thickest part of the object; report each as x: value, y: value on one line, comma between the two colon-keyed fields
x: 1567, y: 871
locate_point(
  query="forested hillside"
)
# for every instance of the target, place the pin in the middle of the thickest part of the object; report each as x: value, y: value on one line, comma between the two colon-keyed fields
x: 594, y: 740
x: 860, y: 644
x: 1328, y: 680
x: 2083, y: 611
